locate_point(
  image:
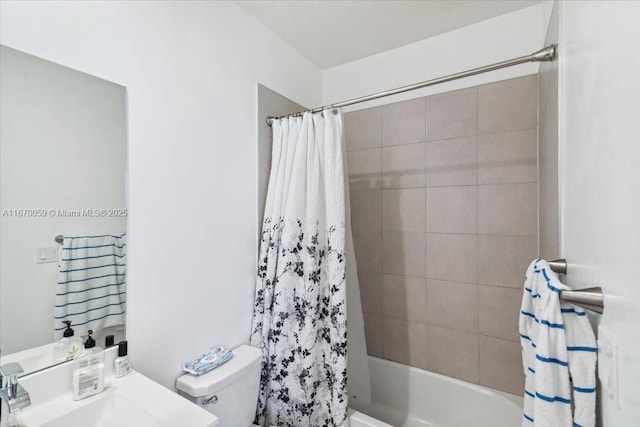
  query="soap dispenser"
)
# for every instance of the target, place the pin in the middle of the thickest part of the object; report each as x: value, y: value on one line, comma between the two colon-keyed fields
x: 90, y: 344
x: 68, y: 346
x: 88, y: 372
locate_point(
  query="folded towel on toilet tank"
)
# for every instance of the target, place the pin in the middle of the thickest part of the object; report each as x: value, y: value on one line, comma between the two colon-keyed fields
x: 207, y: 362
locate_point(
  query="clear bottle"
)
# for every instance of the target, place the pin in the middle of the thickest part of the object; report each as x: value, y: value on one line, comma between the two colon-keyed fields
x: 88, y: 372
x: 68, y: 346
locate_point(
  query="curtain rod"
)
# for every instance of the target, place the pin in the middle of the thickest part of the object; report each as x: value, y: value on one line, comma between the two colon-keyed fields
x: 543, y: 55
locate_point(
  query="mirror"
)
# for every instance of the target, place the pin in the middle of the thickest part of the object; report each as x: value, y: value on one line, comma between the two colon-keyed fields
x: 62, y: 173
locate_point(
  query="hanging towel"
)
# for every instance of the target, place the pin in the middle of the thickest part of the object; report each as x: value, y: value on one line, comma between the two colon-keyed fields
x: 91, y: 289
x: 558, y: 354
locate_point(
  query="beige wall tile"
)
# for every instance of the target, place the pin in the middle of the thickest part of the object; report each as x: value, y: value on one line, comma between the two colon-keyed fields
x: 549, y: 219
x: 508, y: 157
x: 451, y: 162
x: 452, y: 114
x: 453, y: 353
x: 373, y: 334
x: 508, y: 209
x: 404, y: 342
x: 366, y: 209
x: 365, y: 169
x: 404, y: 122
x: 452, y: 210
x: 368, y: 248
x: 501, y: 365
x: 499, y: 310
x: 370, y: 291
x: 403, y: 253
x: 548, y: 163
x: 404, y: 297
x: 403, y: 210
x: 452, y: 305
x: 363, y: 129
x: 452, y: 257
x: 484, y: 185
x: 503, y: 260
x: 403, y: 166
x: 508, y: 105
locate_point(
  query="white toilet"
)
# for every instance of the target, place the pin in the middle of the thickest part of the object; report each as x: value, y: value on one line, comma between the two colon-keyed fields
x: 230, y: 392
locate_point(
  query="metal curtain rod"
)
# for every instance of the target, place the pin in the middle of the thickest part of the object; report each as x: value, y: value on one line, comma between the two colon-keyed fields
x: 543, y: 55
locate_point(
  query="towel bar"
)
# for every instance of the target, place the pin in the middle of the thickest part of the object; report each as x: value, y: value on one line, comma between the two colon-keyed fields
x: 559, y: 266
x: 589, y: 298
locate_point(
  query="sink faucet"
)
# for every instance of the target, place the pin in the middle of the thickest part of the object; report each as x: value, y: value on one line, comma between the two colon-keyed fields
x: 14, y: 396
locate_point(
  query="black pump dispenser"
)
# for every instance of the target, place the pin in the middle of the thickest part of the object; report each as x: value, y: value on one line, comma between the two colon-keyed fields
x: 67, y: 332
x: 90, y: 342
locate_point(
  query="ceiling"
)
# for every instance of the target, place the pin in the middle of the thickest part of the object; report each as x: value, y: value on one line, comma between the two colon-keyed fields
x: 334, y: 32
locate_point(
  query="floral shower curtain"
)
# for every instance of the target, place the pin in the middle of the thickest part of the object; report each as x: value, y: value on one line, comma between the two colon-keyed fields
x: 300, y: 305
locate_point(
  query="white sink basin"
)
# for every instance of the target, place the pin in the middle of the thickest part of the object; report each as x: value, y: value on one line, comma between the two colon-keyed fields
x: 109, y: 410
x: 131, y: 401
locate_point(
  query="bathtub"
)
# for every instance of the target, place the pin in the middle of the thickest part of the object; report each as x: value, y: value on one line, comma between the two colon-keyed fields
x: 358, y: 419
x: 402, y: 396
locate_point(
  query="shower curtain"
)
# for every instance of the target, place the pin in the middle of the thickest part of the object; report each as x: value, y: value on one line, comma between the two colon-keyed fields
x: 300, y: 305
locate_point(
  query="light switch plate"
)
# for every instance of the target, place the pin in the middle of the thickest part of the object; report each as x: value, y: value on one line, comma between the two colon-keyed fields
x: 608, y: 364
x: 46, y: 254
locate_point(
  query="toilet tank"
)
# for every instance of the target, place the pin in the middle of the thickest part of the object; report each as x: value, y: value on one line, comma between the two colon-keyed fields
x: 230, y: 391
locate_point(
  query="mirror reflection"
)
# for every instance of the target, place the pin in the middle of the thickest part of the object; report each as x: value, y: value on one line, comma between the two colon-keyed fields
x: 62, y: 198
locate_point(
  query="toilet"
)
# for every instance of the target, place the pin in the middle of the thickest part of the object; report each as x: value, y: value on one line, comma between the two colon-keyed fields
x: 230, y: 392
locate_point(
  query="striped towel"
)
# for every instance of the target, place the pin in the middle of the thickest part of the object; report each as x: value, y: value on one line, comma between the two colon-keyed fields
x: 558, y: 354
x: 91, y: 289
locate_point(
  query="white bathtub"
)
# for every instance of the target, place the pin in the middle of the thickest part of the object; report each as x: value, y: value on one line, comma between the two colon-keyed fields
x: 358, y: 419
x: 403, y: 396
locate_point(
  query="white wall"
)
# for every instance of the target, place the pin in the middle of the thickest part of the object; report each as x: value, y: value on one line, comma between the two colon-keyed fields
x: 191, y: 70
x: 600, y: 174
x: 60, y: 149
x: 504, y: 37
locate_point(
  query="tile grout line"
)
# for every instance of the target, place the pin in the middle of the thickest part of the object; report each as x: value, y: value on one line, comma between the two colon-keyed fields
x: 426, y: 244
x: 538, y: 157
x: 381, y: 190
x: 477, y: 228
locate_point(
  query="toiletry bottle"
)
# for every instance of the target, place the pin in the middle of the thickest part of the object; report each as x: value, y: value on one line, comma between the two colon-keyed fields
x: 88, y: 372
x: 68, y: 346
x: 121, y: 364
x: 109, y: 341
x: 89, y: 346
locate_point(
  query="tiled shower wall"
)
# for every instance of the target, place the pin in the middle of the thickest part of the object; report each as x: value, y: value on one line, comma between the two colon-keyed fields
x: 444, y: 216
x: 548, y: 200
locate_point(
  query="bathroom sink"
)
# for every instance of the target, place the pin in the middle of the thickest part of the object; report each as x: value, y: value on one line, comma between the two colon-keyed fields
x: 131, y: 401
x: 109, y: 410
